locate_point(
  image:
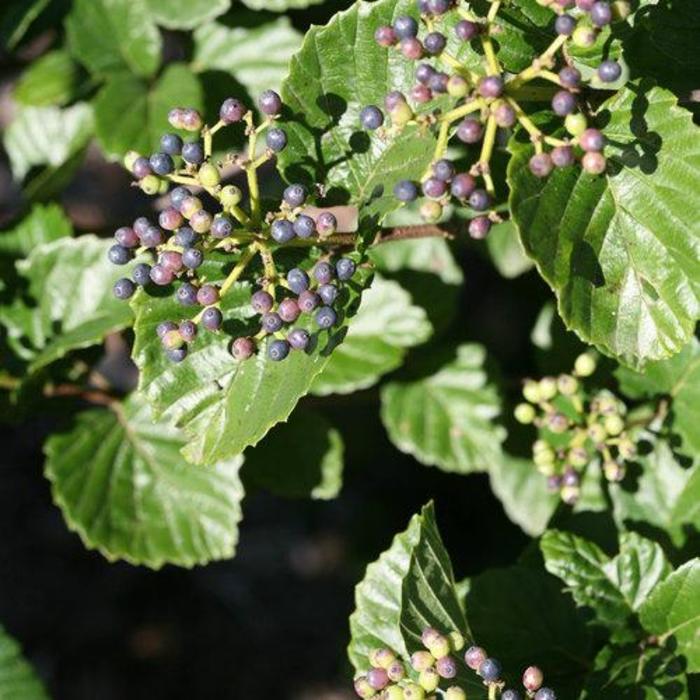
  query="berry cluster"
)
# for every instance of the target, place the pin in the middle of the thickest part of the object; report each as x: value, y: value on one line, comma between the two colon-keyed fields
x: 203, y: 217
x: 575, y: 429
x: 488, y: 100
x: 388, y: 679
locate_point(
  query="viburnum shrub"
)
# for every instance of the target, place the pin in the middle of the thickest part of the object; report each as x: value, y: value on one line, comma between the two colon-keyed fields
x: 369, y: 209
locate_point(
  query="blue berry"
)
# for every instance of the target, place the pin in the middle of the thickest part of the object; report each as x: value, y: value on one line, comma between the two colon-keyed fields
x: 277, y: 350
x: 328, y: 293
x: 443, y: 169
x: 193, y: 152
x: 324, y: 272
x: 304, y: 226
x: 405, y: 191
x: 601, y: 14
x: 345, y: 269
x: 178, y: 195
x: 187, y: 294
x: 371, y: 117
x: 510, y: 695
x: 282, y: 230
x: 424, y: 73
x: 141, y: 274
x: 479, y: 200
x: 438, y: 82
x: 176, y: 354
x: 308, y: 301
x: 490, y: 670
x: 609, y: 71
x: 405, y: 27
x: 298, y: 338
x: 294, y: 195
x: 164, y: 327
x: 434, y: 43
x: 297, y: 280
x: 261, y: 301
x: 326, y: 317
x: 326, y: 223
x: 161, y: 163
x: 463, y: 185
x: 565, y: 25
x: 545, y: 694
x: 563, y: 103
x: 124, y: 288
x: 232, y: 111
x: 272, y: 322
x: 270, y: 102
x: 276, y: 139
x: 222, y: 226
x: 188, y: 331
x: 171, y: 144
x: 185, y: 237
x: 212, y: 319
x: 119, y: 255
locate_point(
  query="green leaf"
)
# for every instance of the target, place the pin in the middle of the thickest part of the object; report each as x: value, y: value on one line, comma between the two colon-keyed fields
x: 175, y: 14
x: 447, y: 419
x: 257, y: 56
x: 677, y: 378
x: 621, y: 251
x: 673, y: 609
x: 51, y: 80
x: 225, y: 406
x: 523, y: 493
x: 17, y: 678
x: 324, y: 94
x: 386, y: 325
x: 293, y: 468
x: 69, y: 302
x: 130, y: 114
x: 506, y: 251
x: 123, y: 486
x: 280, y: 5
x: 114, y: 35
x: 410, y: 587
x: 46, y: 136
x: 45, y: 223
x: 16, y: 19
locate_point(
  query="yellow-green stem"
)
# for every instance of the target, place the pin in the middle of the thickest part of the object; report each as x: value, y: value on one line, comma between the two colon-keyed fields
x: 490, y: 53
x: 486, y: 151
x: 493, y: 10
x: 465, y: 14
x: 270, y: 269
x: 239, y: 214
x: 549, y: 75
x: 454, y: 114
x: 251, y: 172
x: 528, y: 125
x: 452, y: 62
x: 182, y: 180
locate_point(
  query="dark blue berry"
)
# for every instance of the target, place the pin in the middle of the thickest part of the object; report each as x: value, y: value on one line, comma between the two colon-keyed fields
x: 297, y: 280
x: 231, y: 111
x: 479, y: 200
x: 171, y: 144
x: 222, y: 226
x: 277, y: 350
x: 308, y: 301
x: 371, y: 117
x: 176, y: 354
x: 304, y: 226
x: 294, y: 195
x: 326, y: 317
x: 192, y: 258
x: 282, y: 230
x: 271, y: 322
x: 563, y: 103
x: 188, y: 331
x: 405, y: 191
x: 124, y: 288
x: 565, y: 25
x: 424, y: 73
x: 141, y: 274
x: 165, y: 326
x: 193, y: 152
x: 324, y: 272
x: 328, y: 293
x: 434, y: 43
x: 545, y: 694
x: 345, y: 268
x: 601, y: 14
x: 490, y: 670
x: 261, y: 301
x: 609, y: 71
x: 276, y: 139
x: 298, y: 338
x: 212, y: 319
x: 270, y: 102
x: 178, y: 195
x: 119, y: 255
x: 438, y: 82
x: 185, y: 237
x: 443, y: 169
x: 187, y: 294
x: 405, y: 27
x: 161, y: 163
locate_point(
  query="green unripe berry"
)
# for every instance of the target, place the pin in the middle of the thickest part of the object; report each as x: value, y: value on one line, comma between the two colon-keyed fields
x: 130, y: 159
x: 585, y: 364
x: 567, y: 384
x: 189, y: 206
x: 413, y: 692
x: 576, y: 124
x: 597, y: 433
x: 613, y: 471
x: 457, y: 86
x: 164, y: 187
x: 540, y: 446
x: 431, y: 211
x: 627, y: 448
x: 548, y: 388
x: 525, y: 413
x: 439, y: 647
x: 172, y: 340
x: 393, y: 692
x: 558, y: 423
x: 150, y: 184
x: 421, y: 660
x: 531, y: 391
x: 583, y: 36
x: 209, y: 175
x: 606, y: 404
x: 363, y: 688
x: 456, y: 641
x: 570, y: 494
x: 401, y: 114
x: 544, y: 458
x: 382, y: 658
x: 396, y: 671
x: 578, y: 457
x: 230, y: 196
x: 614, y: 425
x: 429, y: 679
x: 455, y: 693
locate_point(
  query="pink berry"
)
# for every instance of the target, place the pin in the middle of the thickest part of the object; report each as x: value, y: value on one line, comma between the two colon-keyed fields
x: 532, y: 678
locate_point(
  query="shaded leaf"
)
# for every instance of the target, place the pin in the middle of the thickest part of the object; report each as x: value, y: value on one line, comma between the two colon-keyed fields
x: 506, y: 250
x: 45, y: 223
x: 175, y: 14
x: 16, y: 19
x: 280, y: 5
x: 17, y: 678
x: 51, y: 80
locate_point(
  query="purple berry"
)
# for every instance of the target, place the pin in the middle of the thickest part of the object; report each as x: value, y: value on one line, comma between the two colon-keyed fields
x: 270, y: 103
x: 191, y: 120
x: 141, y: 225
x: 126, y: 237
x: 152, y: 237
x: 505, y: 115
x: 118, y: 255
x: 563, y: 103
x: 326, y: 223
x: 592, y: 140
x: 412, y: 49
x: 405, y: 191
x: 141, y: 168
x: 308, y: 301
x: 421, y: 94
x: 176, y: 354
x: 232, y: 111
x: 434, y: 43
x: 541, y: 164
x: 479, y: 200
x: 424, y: 73
x: 405, y: 27
x: 570, y: 77
x: 326, y: 317
x: 371, y: 118
x: 297, y: 280
x: 601, y: 14
x: 470, y: 131
x: 276, y: 139
x: 438, y: 83
x: 446, y: 667
x: 562, y: 156
x: 593, y: 163
x: 171, y: 260
x: 444, y: 169
x: 324, y: 272
x: 222, y: 226
x: 170, y: 219
x: 207, y: 295
x: 261, y: 302
x: 466, y: 30
x: 609, y: 71
x: 385, y: 36
x: 491, y: 86
x: 123, y: 288
x: 277, y: 350
x: 345, y: 269
x: 288, y: 310
x: 565, y: 25
x: 161, y: 275
x: 282, y: 231
x: 185, y: 237
x: 304, y: 226
x: 585, y: 5
x: 463, y: 185
x: 490, y: 670
x: 242, y: 348
x: 378, y: 678
x: 328, y: 293
x: 474, y: 657
x: 439, y: 7
x: 271, y: 322
x: 294, y: 195
x: 298, y: 339
x: 164, y: 327
x: 393, y: 99
x: 187, y: 294
x: 212, y: 319
x: 434, y: 188
x: 188, y: 331
x: 545, y: 694
x: 479, y: 227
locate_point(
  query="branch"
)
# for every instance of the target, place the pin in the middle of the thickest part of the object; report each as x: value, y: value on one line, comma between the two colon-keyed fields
x: 404, y: 233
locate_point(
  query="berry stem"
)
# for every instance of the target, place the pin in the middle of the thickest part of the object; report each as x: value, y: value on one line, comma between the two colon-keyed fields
x: 454, y: 114
x: 335, y: 239
x: 486, y: 152
x: 452, y: 62
x: 528, y: 125
x: 493, y: 10
x: 549, y: 75
x: 206, y: 131
x: 493, y: 688
x: 270, y: 269
x: 535, y: 69
x: 239, y: 214
x: 184, y: 180
x: 494, y: 67
x: 465, y: 14
x: 251, y: 170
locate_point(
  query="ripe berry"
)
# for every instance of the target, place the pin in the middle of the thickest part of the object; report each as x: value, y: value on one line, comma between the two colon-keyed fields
x: 474, y: 657
x: 439, y: 7
x: 207, y: 295
x: 405, y: 191
x: 201, y: 221
x: 304, y: 226
x: 170, y: 219
x: 177, y: 354
x: 601, y: 14
x: 510, y: 695
x: 405, y: 27
x: 490, y: 670
x: 434, y: 188
x: 394, y: 98
x: 479, y: 200
x: 470, y: 131
x: 479, y: 227
x: 212, y: 319
x: 326, y: 317
x: 371, y: 118
x: 491, y: 86
x: 126, y: 237
x: 141, y: 168
x: 562, y: 156
x: 261, y: 302
x: 222, y: 226
x: 232, y: 111
x: 282, y: 231
x: 565, y: 25
x: 299, y: 339
x: 585, y: 5
x: 297, y: 280
x: 438, y: 83
x: 424, y: 73
x: 505, y: 115
x: 119, y: 255
x: 276, y: 139
x: 345, y: 269
x: 328, y: 293
x: 563, y: 103
x: 242, y: 348
x: 466, y: 30
x: 123, y: 288
x: 593, y: 163
x: 141, y: 225
x: 434, y: 43
x: 385, y: 36
x: 161, y: 163
x: 609, y: 71
x: 541, y: 164
x: 462, y: 186
x: 545, y: 694
x: 421, y: 94
x: 412, y: 49
x: 294, y: 195
x: 288, y: 310
x: 446, y: 667
x: 326, y: 223
x: 270, y: 103
x: 188, y: 331
x: 569, y: 77
x: 271, y: 322
x: 193, y: 153
x: 171, y: 144
x: 187, y: 294
x: 444, y: 170
x: 277, y: 350
x: 141, y: 274
x: 161, y: 275
x: 377, y: 678
x: 308, y: 301
x: 324, y: 272
x: 185, y: 237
